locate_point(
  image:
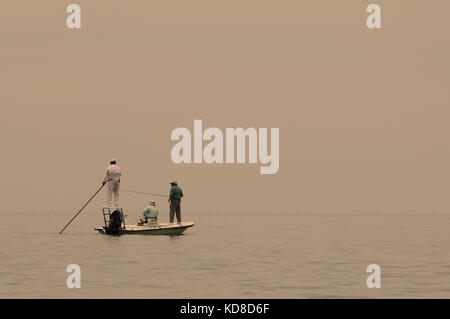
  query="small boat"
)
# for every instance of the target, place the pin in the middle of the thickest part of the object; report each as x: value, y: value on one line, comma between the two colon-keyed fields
x: 123, y: 229
x: 160, y: 229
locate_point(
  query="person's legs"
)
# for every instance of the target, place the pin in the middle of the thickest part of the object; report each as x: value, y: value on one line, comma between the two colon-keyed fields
x: 108, y: 194
x: 116, y: 193
x: 178, y: 211
x: 172, y: 211
x: 153, y: 222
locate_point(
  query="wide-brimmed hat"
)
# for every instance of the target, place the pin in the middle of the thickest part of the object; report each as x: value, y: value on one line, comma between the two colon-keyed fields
x: 173, y: 183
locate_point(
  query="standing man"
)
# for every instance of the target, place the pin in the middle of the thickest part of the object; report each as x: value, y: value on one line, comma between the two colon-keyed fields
x: 112, y: 177
x: 175, y: 200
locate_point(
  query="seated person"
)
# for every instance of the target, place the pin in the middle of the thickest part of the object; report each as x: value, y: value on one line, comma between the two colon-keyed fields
x: 151, y: 214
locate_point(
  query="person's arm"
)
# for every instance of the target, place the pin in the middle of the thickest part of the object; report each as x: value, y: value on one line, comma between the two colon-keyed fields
x: 106, y: 178
x: 170, y: 195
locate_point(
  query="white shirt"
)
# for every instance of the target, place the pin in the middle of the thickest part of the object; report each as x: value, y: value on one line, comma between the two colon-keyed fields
x: 113, y: 173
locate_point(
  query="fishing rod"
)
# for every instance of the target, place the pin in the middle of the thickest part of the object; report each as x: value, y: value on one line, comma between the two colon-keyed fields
x: 145, y: 193
x: 103, y: 184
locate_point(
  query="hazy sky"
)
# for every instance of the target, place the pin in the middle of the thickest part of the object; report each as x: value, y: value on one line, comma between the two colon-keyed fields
x: 363, y: 114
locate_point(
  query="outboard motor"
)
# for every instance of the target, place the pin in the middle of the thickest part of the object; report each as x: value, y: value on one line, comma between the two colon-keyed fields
x: 115, y: 223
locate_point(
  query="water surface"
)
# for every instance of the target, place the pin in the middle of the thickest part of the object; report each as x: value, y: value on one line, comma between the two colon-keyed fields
x: 229, y: 255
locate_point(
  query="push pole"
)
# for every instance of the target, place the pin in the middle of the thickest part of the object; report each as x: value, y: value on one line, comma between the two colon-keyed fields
x: 103, y: 184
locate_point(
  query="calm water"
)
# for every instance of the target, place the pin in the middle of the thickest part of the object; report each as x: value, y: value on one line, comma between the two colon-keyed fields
x: 234, y: 254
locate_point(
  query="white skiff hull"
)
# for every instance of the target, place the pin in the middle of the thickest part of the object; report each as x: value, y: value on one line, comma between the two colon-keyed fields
x: 161, y: 229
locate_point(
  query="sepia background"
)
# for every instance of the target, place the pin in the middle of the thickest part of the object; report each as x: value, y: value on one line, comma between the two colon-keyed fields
x: 363, y: 117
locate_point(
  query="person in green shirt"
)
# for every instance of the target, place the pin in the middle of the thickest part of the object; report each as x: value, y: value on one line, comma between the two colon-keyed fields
x: 175, y: 201
x: 150, y: 214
